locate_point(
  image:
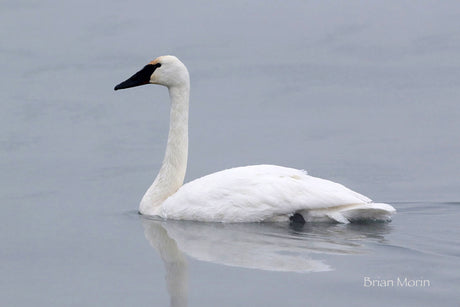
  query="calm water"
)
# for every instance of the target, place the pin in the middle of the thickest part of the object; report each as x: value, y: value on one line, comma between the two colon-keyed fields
x: 363, y: 93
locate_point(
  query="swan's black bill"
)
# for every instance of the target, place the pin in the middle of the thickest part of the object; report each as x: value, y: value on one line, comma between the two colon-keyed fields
x: 140, y: 78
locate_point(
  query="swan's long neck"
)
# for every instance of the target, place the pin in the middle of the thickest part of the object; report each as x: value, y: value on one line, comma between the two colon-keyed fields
x: 172, y: 172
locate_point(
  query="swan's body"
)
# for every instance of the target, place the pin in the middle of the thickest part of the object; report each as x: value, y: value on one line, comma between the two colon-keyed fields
x: 266, y: 193
x: 244, y: 194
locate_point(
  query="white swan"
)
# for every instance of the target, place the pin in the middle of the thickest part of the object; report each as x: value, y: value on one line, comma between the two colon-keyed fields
x: 243, y: 194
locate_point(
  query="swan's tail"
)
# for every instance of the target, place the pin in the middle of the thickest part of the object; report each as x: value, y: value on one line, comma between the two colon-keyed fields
x: 366, y: 212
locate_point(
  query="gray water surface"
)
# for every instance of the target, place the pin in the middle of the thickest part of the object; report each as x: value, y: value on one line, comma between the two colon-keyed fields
x: 362, y: 93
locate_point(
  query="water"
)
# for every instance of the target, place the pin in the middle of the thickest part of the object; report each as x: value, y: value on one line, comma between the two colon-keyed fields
x: 361, y: 93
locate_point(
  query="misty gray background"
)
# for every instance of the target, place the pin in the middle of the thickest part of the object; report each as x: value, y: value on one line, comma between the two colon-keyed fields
x: 362, y: 93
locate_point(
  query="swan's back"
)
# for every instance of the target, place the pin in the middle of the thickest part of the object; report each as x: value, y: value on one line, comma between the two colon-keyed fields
x: 265, y: 193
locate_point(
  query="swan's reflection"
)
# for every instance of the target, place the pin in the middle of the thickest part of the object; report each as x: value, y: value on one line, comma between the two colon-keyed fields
x: 264, y: 246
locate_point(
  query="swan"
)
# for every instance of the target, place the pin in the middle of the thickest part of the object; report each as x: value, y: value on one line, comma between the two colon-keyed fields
x: 255, y: 193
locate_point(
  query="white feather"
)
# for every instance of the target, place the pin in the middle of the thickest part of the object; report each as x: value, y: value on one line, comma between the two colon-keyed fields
x: 260, y: 193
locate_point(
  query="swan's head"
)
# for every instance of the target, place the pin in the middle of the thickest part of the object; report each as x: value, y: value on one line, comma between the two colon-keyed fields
x: 165, y: 70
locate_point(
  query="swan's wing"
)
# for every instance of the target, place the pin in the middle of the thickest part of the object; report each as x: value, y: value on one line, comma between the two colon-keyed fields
x: 256, y: 193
